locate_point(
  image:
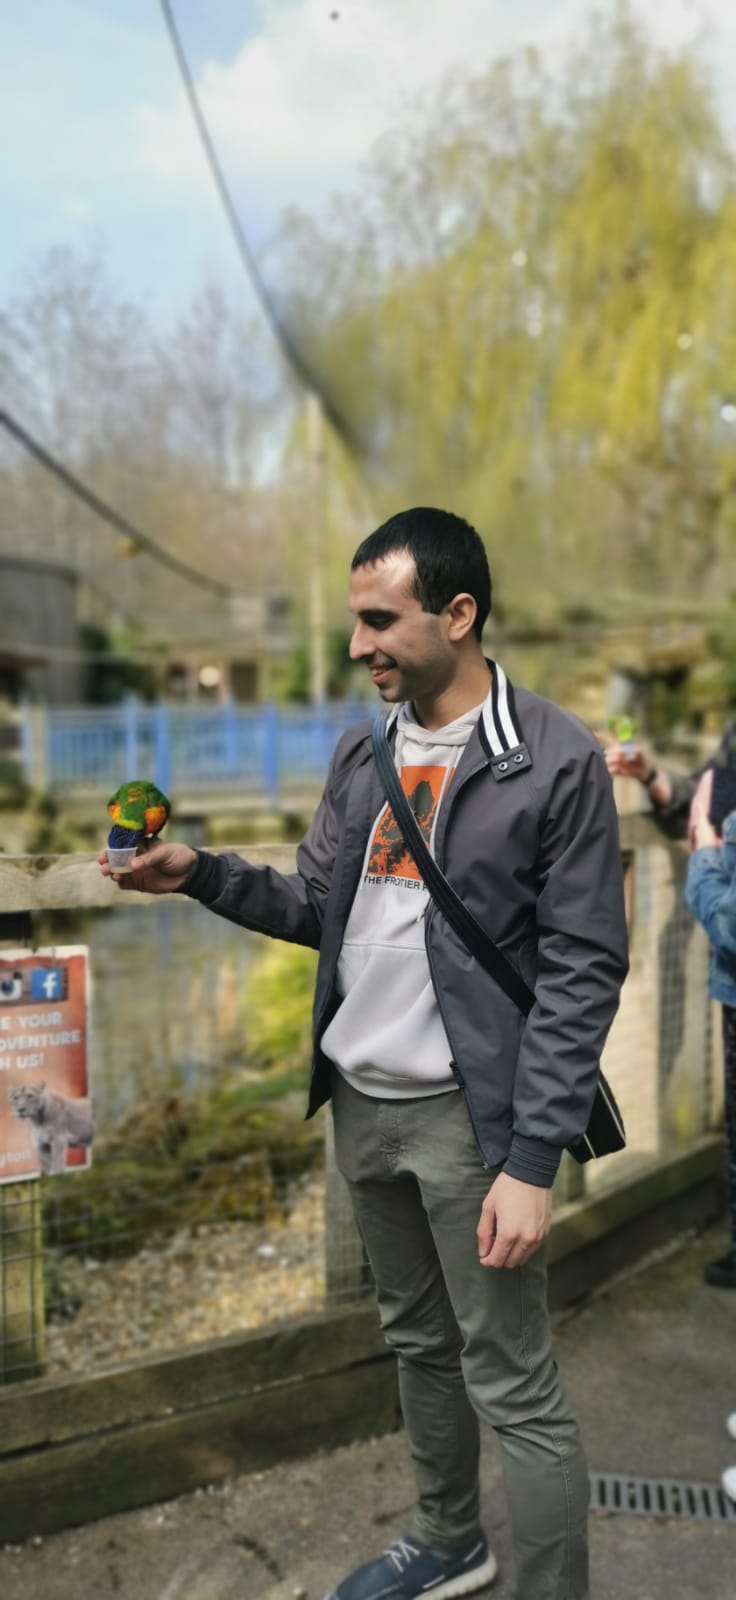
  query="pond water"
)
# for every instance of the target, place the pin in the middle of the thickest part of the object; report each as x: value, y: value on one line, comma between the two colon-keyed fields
x: 167, y: 997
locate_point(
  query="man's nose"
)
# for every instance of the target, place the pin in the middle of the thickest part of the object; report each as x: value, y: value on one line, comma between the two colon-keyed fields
x: 361, y: 643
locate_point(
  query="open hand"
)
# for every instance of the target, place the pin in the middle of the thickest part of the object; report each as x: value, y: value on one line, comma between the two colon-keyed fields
x: 157, y: 869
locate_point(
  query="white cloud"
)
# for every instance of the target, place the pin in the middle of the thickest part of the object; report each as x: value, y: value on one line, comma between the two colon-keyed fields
x: 77, y: 209
x: 301, y: 103
x: 99, y: 134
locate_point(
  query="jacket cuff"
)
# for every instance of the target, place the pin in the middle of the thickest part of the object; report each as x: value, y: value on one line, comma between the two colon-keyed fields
x: 533, y: 1161
x: 205, y: 879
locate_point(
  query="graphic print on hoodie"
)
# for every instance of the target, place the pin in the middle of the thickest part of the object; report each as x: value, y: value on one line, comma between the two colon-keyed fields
x: 388, y: 1038
x: 389, y: 856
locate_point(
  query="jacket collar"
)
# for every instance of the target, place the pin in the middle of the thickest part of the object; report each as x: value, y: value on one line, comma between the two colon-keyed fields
x: 499, y: 719
x: 498, y: 733
x: 499, y: 725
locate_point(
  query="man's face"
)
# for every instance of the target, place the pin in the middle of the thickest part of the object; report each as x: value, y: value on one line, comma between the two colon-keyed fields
x: 406, y: 650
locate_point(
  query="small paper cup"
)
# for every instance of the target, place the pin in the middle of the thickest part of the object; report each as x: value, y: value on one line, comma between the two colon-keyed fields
x: 120, y: 859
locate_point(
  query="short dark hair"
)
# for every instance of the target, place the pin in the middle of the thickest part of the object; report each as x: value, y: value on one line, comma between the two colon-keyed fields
x: 448, y: 554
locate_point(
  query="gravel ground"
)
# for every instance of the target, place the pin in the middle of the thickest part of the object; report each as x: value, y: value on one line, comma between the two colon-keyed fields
x: 200, y: 1284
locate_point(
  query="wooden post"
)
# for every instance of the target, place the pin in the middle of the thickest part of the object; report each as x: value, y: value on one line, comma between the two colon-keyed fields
x: 22, y: 1313
x: 35, y: 744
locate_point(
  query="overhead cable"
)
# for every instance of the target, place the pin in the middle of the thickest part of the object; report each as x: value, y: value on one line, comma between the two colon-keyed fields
x: 108, y: 513
x: 293, y: 354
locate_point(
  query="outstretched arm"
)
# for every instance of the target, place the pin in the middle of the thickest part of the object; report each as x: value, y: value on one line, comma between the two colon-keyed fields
x: 285, y: 906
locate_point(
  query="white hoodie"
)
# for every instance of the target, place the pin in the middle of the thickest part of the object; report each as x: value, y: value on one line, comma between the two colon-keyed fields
x: 388, y: 1038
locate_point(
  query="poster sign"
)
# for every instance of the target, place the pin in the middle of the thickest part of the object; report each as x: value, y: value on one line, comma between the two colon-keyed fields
x: 45, y: 1112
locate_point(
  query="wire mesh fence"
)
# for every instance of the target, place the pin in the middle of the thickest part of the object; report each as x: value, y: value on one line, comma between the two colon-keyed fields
x: 210, y: 1206
x: 151, y: 1253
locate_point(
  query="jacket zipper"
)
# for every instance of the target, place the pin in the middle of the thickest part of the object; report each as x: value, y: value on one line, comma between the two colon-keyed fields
x: 453, y: 1062
x: 455, y: 791
x: 452, y: 798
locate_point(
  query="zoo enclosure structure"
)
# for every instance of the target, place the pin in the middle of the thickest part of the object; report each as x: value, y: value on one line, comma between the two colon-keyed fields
x: 118, y: 1389
x: 264, y: 751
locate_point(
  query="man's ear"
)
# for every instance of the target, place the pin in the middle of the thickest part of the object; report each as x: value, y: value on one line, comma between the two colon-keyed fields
x: 461, y: 612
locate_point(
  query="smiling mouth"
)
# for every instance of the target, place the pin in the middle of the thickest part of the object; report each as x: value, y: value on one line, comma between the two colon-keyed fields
x: 379, y: 673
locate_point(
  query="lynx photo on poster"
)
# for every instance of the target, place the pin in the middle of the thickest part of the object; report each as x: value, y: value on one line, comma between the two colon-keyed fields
x: 45, y: 1112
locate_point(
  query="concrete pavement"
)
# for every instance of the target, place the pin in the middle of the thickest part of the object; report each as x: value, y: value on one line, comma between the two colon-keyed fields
x: 651, y: 1364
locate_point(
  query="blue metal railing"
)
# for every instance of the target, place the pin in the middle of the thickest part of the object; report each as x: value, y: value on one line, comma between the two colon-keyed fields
x: 254, y: 749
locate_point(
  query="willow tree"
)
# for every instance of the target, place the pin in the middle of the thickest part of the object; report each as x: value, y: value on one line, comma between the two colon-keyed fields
x: 527, y: 313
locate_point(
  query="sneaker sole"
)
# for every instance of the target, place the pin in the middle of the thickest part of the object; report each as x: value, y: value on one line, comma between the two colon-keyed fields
x: 465, y: 1582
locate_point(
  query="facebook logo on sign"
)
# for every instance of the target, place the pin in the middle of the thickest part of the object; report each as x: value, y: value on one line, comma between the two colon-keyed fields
x: 49, y: 983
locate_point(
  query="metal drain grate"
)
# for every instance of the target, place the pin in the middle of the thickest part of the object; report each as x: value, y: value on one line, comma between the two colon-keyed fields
x: 618, y: 1494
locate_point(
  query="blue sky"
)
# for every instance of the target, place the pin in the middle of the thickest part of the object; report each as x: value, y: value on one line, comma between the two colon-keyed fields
x: 97, y: 146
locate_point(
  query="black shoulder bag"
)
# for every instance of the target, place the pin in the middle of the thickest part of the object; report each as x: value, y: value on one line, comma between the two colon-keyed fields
x: 605, y: 1131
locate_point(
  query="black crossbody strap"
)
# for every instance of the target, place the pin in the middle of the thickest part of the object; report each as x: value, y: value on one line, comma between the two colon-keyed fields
x: 466, y: 926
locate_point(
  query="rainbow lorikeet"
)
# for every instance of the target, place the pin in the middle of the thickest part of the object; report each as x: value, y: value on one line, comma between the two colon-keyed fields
x: 138, y: 810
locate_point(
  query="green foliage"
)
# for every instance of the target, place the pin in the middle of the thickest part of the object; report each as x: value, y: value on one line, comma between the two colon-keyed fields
x: 50, y: 832
x: 291, y: 682
x: 582, y: 614
x: 278, y: 1008
x: 527, y: 312
x: 110, y: 681
x: 669, y: 701
x: 723, y: 644
x: 537, y: 289
x: 174, y: 1162
x: 14, y: 792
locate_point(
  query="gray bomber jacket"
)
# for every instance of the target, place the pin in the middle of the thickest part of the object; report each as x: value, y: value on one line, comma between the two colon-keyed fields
x: 528, y: 837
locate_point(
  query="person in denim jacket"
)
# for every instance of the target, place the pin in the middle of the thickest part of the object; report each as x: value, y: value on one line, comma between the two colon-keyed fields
x: 710, y: 892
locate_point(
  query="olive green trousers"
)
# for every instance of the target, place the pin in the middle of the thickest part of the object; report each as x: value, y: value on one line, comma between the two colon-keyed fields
x: 472, y: 1342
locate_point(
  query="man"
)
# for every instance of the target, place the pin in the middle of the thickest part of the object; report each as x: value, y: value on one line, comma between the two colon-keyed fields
x: 450, y: 1113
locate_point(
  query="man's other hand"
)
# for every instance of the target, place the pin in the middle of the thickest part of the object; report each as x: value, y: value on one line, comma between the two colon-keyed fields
x: 514, y: 1220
